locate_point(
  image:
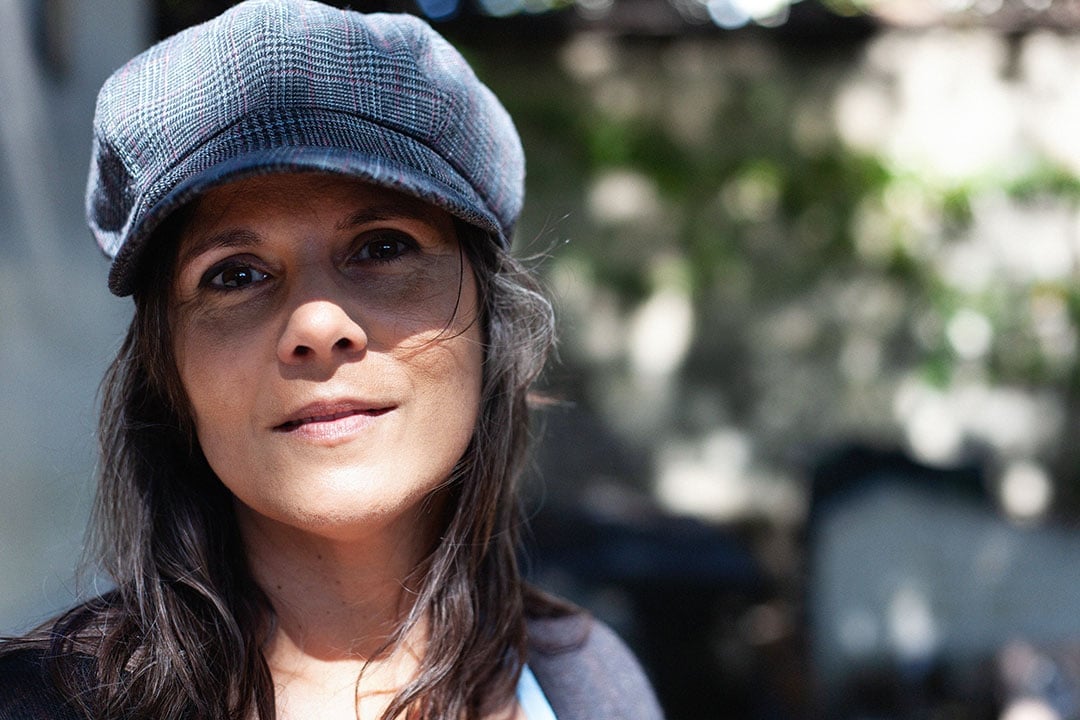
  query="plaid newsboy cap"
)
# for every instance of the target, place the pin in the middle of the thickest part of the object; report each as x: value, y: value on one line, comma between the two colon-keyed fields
x: 293, y: 85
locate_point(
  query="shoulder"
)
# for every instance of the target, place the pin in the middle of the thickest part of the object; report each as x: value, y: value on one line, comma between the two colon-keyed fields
x: 586, y: 671
x: 27, y: 690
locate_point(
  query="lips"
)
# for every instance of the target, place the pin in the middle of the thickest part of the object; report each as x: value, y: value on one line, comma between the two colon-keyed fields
x: 330, y: 413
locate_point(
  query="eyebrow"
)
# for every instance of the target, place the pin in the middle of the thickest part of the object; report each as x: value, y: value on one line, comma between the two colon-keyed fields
x: 404, y: 209
x: 233, y: 238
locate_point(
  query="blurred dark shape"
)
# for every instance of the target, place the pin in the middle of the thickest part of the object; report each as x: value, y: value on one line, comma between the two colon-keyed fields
x: 51, y: 33
x: 924, y: 601
x: 852, y: 468
x: 677, y: 590
x: 689, y: 597
x: 880, y: 683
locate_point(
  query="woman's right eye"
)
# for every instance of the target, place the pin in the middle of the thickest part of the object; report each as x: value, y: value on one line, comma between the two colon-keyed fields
x: 233, y: 277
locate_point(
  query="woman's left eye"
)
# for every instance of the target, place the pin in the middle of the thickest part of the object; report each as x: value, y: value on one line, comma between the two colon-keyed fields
x: 384, y: 248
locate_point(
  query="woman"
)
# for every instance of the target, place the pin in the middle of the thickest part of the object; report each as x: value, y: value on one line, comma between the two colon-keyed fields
x: 312, y: 434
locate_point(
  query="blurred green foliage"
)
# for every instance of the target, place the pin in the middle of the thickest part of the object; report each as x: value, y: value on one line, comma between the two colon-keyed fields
x: 822, y: 275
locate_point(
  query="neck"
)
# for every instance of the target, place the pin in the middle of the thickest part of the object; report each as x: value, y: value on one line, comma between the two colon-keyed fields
x: 335, y: 598
x: 340, y: 604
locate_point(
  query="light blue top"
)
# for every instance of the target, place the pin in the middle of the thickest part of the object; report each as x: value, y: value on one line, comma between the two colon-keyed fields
x: 531, y: 697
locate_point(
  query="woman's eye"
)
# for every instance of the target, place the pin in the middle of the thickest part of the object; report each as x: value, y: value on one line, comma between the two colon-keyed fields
x: 234, y: 277
x: 384, y: 248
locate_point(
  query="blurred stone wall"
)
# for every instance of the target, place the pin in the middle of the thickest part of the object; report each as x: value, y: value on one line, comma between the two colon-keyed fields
x: 58, y: 324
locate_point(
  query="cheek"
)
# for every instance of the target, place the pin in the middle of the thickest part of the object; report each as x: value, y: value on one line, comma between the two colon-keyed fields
x: 220, y: 397
x: 214, y: 362
x: 410, y: 312
x: 453, y: 411
x: 468, y: 369
x: 447, y: 375
x: 205, y: 331
x: 457, y: 381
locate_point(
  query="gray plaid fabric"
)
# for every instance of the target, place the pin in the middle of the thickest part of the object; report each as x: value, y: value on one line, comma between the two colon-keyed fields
x: 278, y: 85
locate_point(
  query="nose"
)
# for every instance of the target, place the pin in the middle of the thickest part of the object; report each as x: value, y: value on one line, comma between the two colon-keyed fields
x: 320, y: 330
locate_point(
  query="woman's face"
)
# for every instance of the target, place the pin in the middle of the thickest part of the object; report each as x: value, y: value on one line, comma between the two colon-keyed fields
x: 327, y: 338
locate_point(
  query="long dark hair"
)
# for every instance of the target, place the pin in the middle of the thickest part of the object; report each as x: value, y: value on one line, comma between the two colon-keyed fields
x: 181, y: 635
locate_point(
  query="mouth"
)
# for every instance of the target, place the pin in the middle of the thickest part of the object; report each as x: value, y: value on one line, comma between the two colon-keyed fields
x: 325, y: 415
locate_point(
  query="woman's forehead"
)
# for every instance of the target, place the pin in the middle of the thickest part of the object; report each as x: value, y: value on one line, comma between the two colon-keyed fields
x: 340, y: 202
x: 304, y: 188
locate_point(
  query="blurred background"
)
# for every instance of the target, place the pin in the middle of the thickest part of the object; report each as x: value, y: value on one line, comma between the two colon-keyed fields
x: 813, y: 439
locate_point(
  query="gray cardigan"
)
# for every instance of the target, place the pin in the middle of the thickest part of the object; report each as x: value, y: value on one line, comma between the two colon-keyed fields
x: 586, y: 671
x: 583, y: 668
